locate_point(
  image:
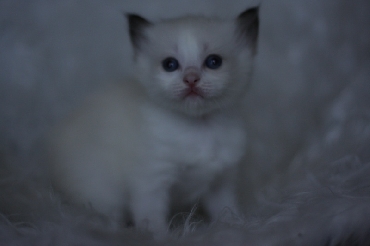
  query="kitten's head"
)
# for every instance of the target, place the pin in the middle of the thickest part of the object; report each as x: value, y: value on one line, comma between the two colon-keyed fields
x: 195, y: 65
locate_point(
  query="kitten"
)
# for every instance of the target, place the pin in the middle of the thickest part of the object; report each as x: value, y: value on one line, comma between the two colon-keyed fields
x: 171, y: 137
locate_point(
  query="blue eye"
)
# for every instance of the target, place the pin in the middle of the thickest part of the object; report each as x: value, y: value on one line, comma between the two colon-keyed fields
x: 213, y: 61
x: 170, y: 64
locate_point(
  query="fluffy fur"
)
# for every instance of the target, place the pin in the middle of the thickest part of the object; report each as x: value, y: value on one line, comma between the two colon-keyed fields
x: 308, y: 114
x: 172, y: 141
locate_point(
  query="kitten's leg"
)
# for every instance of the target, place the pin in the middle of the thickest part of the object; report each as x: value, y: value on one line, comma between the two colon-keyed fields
x: 222, y: 197
x: 150, y: 206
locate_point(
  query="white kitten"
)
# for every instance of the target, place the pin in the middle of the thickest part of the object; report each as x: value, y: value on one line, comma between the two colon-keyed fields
x: 169, y: 138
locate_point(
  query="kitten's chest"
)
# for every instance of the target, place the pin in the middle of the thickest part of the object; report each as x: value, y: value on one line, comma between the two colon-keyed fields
x: 197, y: 147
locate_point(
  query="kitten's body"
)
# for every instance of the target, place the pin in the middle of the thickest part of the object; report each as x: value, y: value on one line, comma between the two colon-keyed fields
x: 169, y: 137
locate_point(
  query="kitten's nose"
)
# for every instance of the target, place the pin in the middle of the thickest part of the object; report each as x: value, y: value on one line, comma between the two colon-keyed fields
x: 191, y: 78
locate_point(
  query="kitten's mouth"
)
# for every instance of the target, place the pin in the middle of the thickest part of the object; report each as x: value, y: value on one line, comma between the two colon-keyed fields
x: 193, y: 92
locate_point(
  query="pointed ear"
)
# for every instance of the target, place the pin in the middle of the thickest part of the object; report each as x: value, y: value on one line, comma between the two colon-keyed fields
x: 137, y: 26
x: 248, y: 25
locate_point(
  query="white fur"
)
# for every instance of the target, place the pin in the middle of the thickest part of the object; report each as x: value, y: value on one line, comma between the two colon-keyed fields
x: 142, y: 146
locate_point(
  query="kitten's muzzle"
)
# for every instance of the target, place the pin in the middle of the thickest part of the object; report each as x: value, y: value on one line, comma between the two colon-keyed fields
x: 191, y: 79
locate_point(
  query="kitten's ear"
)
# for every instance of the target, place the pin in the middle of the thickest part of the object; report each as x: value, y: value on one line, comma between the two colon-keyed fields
x: 137, y: 25
x: 248, y: 25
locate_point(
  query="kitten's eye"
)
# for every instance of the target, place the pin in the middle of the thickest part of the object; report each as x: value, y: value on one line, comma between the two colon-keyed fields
x: 170, y: 64
x: 213, y: 61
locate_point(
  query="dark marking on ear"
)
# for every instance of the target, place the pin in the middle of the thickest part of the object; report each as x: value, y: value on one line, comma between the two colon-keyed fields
x: 248, y: 26
x: 137, y: 25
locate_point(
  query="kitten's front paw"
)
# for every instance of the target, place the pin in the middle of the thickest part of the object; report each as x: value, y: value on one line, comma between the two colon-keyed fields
x: 157, y: 227
x: 149, y: 211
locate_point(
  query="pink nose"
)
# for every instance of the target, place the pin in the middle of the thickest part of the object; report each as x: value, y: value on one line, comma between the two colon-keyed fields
x: 191, y: 78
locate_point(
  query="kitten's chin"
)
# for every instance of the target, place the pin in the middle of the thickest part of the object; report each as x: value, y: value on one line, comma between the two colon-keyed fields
x: 192, y: 102
x: 196, y: 105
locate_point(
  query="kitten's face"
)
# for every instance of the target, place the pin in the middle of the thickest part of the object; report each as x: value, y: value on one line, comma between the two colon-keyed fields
x: 194, y: 65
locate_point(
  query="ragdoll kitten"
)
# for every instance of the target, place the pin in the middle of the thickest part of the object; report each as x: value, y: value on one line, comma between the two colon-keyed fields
x: 172, y: 136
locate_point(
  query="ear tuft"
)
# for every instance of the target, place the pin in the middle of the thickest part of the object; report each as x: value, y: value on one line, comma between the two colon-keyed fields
x: 248, y: 25
x: 137, y: 25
